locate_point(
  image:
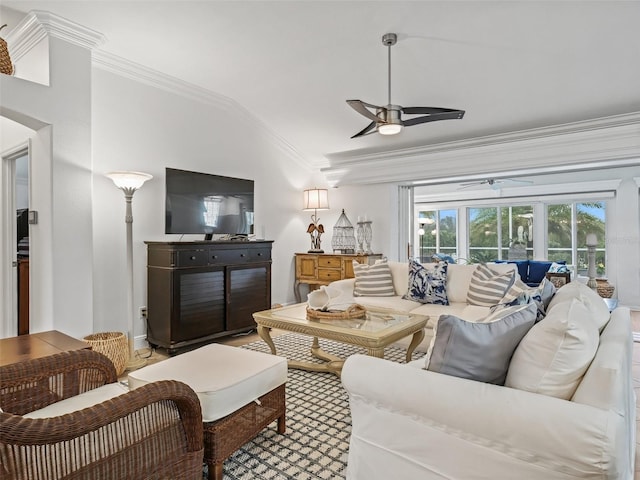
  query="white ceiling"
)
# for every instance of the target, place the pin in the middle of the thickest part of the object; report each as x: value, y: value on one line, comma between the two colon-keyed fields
x: 512, y: 65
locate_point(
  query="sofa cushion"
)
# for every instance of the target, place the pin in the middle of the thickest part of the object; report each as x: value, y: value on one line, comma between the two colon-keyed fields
x: 373, y: 280
x: 399, y: 273
x: 487, y: 287
x: 393, y: 303
x: 427, y: 285
x: 593, y: 301
x: 477, y: 350
x: 553, y: 356
x: 537, y: 271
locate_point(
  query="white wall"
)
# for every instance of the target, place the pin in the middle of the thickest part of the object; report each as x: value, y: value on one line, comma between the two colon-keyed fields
x: 139, y: 127
x: 61, y: 293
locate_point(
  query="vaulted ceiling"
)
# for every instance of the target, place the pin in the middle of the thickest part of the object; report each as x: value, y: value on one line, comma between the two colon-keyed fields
x: 512, y: 65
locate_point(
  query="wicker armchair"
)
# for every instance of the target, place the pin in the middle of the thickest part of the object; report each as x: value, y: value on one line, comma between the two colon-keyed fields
x: 154, y: 432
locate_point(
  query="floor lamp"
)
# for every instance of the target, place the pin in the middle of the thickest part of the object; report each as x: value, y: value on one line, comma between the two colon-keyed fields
x: 129, y: 182
x: 592, y: 243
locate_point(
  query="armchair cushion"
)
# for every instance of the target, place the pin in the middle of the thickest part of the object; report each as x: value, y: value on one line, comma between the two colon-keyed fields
x: 78, y: 402
x: 479, y: 350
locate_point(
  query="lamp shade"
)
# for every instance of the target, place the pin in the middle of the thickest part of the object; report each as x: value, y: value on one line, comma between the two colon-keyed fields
x: 132, y: 180
x: 592, y: 240
x: 315, y: 199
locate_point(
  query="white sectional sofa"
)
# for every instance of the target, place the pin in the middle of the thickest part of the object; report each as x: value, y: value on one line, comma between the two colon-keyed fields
x: 458, y: 279
x: 408, y: 422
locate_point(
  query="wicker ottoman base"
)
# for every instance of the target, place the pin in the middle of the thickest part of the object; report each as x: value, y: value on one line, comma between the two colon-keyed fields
x: 228, y: 434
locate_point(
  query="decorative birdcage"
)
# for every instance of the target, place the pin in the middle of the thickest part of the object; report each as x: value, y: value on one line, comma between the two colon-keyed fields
x: 344, y: 240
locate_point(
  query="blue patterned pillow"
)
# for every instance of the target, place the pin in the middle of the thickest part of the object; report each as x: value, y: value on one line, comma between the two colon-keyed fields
x: 427, y: 285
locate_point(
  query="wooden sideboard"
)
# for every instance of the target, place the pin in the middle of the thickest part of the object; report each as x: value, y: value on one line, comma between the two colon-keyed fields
x: 315, y: 269
x: 199, y: 291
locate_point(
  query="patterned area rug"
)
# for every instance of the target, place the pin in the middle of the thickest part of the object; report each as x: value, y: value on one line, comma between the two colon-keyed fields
x: 316, y: 442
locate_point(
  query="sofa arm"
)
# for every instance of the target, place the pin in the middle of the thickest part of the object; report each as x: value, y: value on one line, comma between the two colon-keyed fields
x: 413, y: 419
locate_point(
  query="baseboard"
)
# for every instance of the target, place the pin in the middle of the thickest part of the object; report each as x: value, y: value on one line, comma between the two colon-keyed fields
x: 140, y: 342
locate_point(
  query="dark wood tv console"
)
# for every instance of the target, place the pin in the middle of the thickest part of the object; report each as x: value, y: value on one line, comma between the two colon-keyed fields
x: 199, y: 291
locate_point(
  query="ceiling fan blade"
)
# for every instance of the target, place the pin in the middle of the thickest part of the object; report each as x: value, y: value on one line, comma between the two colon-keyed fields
x: 455, y: 114
x: 467, y: 185
x: 361, y: 107
x: 366, y: 130
x: 427, y: 110
x: 517, y: 180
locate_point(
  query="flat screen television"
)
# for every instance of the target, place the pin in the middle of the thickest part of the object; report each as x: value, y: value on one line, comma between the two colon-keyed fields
x: 201, y: 203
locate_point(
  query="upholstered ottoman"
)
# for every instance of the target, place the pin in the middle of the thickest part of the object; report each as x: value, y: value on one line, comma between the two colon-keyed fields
x: 240, y: 391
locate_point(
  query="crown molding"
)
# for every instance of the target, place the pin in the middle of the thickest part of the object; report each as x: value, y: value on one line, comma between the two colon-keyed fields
x: 605, y: 188
x: 38, y: 25
x: 153, y: 78
x: 554, y: 148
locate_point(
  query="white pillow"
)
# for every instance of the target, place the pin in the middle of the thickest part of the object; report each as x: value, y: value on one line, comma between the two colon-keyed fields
x: 591, y: 300
x: 554, y: 355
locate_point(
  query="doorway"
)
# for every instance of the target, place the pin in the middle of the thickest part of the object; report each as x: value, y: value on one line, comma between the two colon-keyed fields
x: 15, y: 240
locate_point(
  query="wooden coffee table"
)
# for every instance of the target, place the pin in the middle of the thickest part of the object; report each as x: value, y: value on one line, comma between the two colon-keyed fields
x: 376, y: 331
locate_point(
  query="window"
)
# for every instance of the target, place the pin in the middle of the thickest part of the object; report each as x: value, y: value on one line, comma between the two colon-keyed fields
x: 568, y: 225
x: 506, y: 232
x: 500, y: 233
x: 437, y: 233
x: 483, y: 234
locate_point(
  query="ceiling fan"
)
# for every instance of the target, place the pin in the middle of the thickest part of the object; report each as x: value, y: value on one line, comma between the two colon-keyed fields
x: 387, y: 120
x: 494, y: 183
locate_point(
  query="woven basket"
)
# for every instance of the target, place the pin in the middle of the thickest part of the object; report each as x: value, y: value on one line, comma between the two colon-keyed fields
x: 604, y: 288
x: 6, y: 66
x: 354, y: 311
x: 112, y: 345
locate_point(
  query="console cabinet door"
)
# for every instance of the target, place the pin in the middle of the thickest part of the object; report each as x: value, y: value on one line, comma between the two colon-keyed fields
x: 201, y: 304
x: 249, y: 291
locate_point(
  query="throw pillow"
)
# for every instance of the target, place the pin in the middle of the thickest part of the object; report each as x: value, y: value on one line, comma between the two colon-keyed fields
x: 588, y: 297
x: 487, y: 287
x: 373, y: 280
x: 479, y: 351
x: 520, y: 293
x: 427, y: 285
x: 554, y: 355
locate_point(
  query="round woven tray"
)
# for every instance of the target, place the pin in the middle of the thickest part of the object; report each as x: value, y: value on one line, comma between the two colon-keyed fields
x: 354, y: 311
x: 112, y: 345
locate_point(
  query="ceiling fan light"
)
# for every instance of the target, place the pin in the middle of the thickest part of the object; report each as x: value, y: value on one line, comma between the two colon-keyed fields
x: 389, y: 129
